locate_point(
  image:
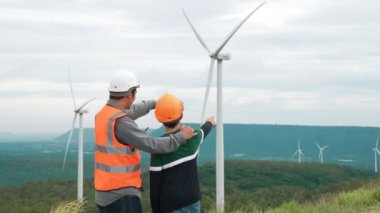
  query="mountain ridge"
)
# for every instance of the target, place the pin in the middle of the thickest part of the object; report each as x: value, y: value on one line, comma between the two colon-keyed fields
x: 347, y: 145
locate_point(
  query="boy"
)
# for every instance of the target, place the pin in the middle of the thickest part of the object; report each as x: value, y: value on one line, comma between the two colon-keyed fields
x: 174, y: 184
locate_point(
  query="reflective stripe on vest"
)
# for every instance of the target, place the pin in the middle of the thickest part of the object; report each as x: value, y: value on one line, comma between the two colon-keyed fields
x: 113, y: 150
x: 117, y: 169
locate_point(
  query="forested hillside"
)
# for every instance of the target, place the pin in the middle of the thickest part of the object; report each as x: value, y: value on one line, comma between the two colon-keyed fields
x: 351, y: 146
x: 249, y: 185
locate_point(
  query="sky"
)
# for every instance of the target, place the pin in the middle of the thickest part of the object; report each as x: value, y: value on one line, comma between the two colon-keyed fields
x: 294, y: 62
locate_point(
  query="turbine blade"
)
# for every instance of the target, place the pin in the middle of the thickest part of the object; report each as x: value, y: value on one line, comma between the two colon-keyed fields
x: 196, y: 33
x: 68, y: 141
x: 236, y: 29
x: 377, y: 142
x: 319, y: 156
x: 318, y: 145
x: 71, y: 89
x: 85, y: 103
x: 209, y: 79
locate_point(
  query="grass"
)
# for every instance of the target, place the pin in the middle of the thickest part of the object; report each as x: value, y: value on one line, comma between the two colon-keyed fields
x: 365, y: 200
x: 361, y: 200
x: 75, y: 206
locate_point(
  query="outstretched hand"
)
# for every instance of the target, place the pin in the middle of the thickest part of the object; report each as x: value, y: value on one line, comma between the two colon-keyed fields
x: 212, y: 121
x: 188, y: 131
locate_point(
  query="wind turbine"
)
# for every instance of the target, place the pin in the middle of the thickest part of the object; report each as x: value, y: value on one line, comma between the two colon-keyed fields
x: 216, y: 55
x: 78, y: 111
x: 299, y: 152
x: 376, y: 152
x: 321, y: 149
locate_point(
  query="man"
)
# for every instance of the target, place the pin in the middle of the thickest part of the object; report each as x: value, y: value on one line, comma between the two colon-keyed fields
x: 117, y: 174
x: 174, y: 184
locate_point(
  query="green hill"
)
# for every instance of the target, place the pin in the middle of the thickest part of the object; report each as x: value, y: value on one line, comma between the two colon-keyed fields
x: 249, y: 185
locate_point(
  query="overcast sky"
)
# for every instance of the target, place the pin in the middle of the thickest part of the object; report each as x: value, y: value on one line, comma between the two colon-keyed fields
x: 313, y: 62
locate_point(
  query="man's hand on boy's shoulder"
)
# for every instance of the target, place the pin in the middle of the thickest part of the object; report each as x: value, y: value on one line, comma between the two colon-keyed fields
x: 188, y: 131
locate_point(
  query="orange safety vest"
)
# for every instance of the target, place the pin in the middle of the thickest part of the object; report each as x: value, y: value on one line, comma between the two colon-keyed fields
x: 116, y: 165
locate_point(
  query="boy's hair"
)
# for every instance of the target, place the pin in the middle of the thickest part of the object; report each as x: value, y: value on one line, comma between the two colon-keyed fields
x: 172, y: 124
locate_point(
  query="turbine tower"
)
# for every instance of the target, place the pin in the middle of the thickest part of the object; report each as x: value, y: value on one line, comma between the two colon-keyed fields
x: 299, y: 152
x: 376, y: 152
x: 321, y: 149
x: 77, y: 111
x: 216, y: 55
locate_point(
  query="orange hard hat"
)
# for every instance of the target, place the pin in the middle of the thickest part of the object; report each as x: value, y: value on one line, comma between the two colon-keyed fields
x: 168, y: 108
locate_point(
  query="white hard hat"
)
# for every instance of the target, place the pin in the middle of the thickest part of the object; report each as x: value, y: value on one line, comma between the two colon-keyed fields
x: 123, y: 81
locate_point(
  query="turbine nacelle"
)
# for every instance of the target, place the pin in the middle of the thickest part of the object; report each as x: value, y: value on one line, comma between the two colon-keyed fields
x: 81, y: 111
x: 225, y: 56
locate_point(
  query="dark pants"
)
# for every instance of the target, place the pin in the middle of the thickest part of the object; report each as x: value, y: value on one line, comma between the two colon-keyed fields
x: 126, y: 204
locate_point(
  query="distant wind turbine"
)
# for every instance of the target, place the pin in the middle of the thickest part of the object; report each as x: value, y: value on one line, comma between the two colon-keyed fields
x: 77, y: 111
x: 376, y: 152
x: 321, y: 149
x: 299, y: 152
x: 216, y: 55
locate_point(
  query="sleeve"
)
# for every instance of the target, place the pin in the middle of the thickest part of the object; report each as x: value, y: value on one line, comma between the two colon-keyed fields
x: 198, y: 138
x: 140, y: 109
x: 128, y: 133
x: 206, y: 128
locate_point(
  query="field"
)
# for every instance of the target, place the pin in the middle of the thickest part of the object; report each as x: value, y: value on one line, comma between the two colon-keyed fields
x: 261, y: 172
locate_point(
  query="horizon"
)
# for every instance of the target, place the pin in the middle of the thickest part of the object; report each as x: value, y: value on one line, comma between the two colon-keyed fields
x: 58, y: 134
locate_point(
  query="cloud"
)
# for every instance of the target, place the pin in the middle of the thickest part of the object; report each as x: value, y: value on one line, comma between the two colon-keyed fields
x: 294, y: 61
